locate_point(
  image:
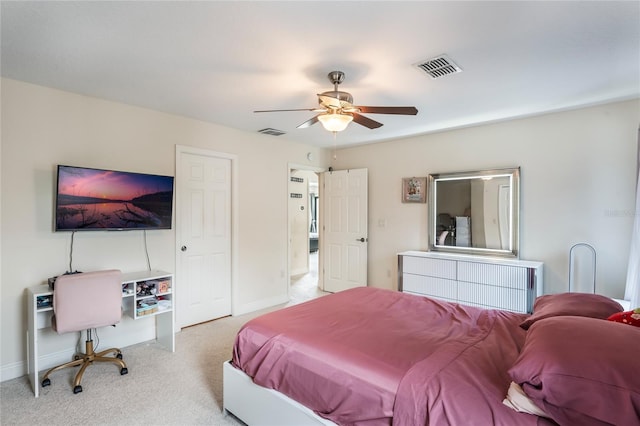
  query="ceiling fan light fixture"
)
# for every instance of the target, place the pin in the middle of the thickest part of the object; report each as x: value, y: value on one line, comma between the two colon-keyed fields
x: 335, y: 122
x: 336, y: 109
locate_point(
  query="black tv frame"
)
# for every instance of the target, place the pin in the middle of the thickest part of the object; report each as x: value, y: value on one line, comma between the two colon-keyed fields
x: 111, y: 200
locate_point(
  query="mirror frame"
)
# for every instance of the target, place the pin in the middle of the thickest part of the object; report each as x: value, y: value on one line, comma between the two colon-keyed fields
x: 514, y: 209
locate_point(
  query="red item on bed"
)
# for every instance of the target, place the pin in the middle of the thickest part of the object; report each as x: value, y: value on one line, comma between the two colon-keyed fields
x: 627, y: 317
x: 369, y: 356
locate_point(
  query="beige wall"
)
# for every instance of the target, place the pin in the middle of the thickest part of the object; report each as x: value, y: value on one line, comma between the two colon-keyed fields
x: 578, y: 185
x: 42, y: 127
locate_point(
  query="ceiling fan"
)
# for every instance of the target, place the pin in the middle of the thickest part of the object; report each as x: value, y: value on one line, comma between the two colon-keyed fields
x: 336, y: 109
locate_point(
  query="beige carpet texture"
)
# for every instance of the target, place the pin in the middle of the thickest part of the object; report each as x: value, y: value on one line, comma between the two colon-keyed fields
x: 161, y: 388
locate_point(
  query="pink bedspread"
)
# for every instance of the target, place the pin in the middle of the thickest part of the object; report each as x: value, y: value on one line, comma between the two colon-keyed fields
x: 368, y: 356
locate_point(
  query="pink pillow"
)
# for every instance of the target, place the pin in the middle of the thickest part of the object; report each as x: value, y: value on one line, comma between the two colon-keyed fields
x: 582, y: 371
x: 574, y: 304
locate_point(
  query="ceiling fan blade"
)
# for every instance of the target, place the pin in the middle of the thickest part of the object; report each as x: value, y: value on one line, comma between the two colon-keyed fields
x: 308, y: 123
x: 387, y: 110
x: 284, y: 110
x: 366, y: 122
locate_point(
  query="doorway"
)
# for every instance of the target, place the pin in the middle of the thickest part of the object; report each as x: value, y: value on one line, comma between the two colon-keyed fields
x: 304, y: 235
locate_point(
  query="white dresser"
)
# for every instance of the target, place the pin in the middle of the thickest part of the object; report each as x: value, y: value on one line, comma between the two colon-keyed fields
x: 486, y: 282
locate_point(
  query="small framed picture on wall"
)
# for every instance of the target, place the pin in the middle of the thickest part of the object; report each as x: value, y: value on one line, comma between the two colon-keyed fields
x: 414, y: 190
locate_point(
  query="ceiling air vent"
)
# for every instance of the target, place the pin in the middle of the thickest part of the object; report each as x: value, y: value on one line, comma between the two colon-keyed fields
x: 439, y: 66
x: 270, y: 131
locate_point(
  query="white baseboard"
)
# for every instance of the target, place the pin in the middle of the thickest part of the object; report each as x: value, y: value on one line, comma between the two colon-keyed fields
x: 19, y: 369
x: 45, y: 361
x: 13, y: 370
x: 260, y: 304
x: 299, y: 271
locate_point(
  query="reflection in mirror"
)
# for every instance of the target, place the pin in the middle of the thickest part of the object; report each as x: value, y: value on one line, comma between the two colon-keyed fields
x: 475, y: 212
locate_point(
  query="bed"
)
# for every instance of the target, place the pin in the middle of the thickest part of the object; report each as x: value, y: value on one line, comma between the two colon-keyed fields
x: 370, y: 356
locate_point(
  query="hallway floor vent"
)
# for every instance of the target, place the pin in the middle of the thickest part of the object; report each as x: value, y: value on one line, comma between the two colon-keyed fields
x: 439, y: 66
x: 272, y: 132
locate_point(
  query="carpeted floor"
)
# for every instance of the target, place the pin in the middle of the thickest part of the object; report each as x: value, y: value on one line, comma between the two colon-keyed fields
x: 162, y: 388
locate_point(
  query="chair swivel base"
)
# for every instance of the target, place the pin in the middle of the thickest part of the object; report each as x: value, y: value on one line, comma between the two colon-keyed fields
x: 84, y: 360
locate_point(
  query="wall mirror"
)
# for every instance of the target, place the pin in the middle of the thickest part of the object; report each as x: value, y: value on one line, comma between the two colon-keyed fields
x: 475, y: 212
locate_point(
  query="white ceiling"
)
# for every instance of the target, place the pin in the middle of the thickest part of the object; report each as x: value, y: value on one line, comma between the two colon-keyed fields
x: 218, y: 61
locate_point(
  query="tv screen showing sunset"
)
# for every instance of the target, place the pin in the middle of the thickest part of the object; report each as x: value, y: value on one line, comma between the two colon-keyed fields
x: 94, y: 199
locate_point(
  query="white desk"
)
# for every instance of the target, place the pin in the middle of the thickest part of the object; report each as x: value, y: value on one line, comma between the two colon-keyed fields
x: 39, y: 314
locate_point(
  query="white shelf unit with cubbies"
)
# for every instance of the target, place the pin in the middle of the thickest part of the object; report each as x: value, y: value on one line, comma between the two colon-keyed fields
x: 150, y: 294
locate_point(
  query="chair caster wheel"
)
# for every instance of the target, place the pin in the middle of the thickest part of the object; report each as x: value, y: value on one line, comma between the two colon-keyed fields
x: 119, y: 356
x: 76, y: 357
x: 46, y: 382
x: 124, y: 371
x: 77, y: 389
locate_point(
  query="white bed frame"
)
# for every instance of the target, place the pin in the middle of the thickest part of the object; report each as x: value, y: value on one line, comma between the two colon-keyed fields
x: 256, y: 405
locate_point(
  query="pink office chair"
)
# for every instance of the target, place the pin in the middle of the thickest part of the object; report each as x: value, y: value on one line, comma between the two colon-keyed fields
x: 83, y: 302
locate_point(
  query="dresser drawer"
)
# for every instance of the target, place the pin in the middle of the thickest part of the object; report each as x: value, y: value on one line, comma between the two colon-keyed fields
x: 508, y: 299
x: 429, y: 286
x: 495, y: 275
x: 438, y: 268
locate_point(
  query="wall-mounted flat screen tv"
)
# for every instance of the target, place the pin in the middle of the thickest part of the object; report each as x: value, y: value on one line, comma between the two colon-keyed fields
x: 106, y: 200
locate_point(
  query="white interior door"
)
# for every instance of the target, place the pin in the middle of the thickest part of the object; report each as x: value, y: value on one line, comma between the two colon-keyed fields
x: 345, y: 231
x: 203, y: 235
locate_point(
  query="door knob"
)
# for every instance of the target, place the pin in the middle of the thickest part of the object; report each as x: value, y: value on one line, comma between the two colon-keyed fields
x: 183, y: 248
x: 362, y: 240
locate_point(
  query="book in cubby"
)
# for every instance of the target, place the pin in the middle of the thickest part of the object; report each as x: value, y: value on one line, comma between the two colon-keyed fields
x: 163, y: 286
